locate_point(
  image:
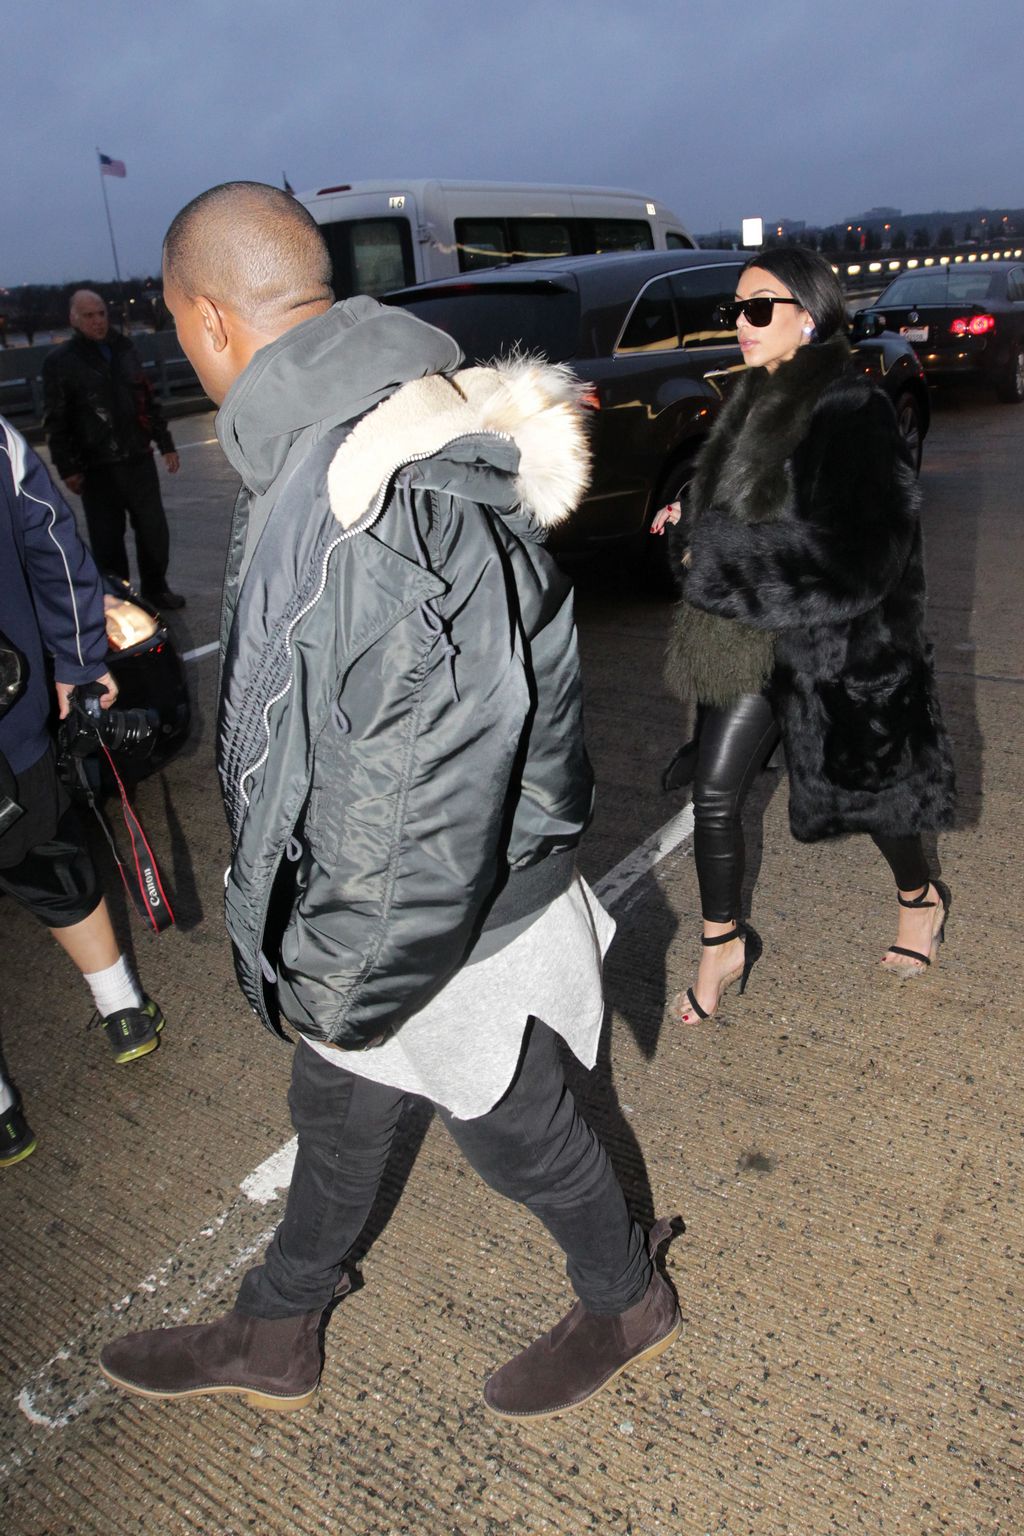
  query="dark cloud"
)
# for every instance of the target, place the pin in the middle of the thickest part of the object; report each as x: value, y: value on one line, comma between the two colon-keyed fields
x: 795, y: 108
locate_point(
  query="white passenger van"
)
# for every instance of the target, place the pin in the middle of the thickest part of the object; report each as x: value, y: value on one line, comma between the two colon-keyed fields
x: 391, y: 234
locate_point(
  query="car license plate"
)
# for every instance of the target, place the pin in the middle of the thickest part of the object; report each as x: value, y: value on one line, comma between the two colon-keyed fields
x: 914, y: 332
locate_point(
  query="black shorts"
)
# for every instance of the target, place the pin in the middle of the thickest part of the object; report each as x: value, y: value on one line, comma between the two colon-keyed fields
x: 55, y: 878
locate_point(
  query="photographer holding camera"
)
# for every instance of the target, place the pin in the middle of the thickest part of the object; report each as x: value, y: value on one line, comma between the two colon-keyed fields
x: 51, y: 605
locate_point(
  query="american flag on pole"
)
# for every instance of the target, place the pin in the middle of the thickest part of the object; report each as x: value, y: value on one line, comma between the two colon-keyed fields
x: 110, y: 167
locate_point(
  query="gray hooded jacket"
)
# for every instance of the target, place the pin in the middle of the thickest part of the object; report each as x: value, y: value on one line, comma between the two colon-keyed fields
x: 400, y: 742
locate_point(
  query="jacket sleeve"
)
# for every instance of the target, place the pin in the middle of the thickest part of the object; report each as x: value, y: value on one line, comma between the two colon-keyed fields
x: 846, y: 546
x: 159, y: 429
x: 356, y: 965
x: 65, y: 583
x: 57, y: 423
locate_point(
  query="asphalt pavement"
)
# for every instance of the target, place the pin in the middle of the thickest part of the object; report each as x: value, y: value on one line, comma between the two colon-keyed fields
x: 845, y: 1150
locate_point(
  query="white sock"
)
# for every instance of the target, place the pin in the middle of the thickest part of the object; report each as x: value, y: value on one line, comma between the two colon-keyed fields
x: 116, y: 988
x: 6, y: 1095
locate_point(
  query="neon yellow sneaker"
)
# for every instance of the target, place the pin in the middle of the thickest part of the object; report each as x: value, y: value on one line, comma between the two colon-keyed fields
x: 134, y: 1032
x: 16, y: 1139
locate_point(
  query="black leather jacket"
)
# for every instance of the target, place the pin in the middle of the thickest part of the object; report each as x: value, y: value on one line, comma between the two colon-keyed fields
x: 99, y: 411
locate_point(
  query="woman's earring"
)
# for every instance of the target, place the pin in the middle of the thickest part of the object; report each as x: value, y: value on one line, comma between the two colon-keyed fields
x: 808, y: 330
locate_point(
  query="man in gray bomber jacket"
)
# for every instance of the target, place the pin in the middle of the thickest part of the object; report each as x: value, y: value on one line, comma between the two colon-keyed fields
x: 401, y: 756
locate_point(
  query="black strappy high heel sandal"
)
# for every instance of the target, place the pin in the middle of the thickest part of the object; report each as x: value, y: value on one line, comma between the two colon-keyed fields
x: 752, y: 951
x: 904, y: 972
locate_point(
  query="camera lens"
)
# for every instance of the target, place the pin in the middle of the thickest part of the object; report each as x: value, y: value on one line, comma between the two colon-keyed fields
x: 129, y: 730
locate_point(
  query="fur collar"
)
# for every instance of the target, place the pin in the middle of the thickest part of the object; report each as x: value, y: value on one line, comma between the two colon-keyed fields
x: 534, y: 403
x: 742, y: 469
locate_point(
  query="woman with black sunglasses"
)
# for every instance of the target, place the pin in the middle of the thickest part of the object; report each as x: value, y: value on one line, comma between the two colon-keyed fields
x: 802, y: 617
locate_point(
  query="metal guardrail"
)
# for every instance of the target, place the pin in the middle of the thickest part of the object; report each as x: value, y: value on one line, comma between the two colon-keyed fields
x: 175, y: 382
x: 21, y: 376
x: 874, y: 269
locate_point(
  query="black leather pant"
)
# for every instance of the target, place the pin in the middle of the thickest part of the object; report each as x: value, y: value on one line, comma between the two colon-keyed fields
x: 734, y: 745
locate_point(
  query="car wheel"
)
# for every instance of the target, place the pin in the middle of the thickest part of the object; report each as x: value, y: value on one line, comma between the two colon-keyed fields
x: 908, y: 419
x: 660, y: 573
x: 1010, y: 388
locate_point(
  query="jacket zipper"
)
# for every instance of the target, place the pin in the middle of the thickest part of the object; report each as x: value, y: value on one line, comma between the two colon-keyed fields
x: 365, y: 523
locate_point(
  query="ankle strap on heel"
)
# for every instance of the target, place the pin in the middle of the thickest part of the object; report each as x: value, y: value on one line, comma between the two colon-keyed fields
x: 918, y: 901
x: 724, y: 938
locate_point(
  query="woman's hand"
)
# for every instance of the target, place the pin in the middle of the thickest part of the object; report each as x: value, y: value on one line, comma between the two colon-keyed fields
x: 670, y: 514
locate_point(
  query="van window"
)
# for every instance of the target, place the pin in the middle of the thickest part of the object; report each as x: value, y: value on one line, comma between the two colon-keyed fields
x: 698, y: 294
x: 533, y: 238
x: 481, y: 242
x: 674, y: 241
x: 486, y: 242
x: 369, y: 255
x: 619, y: 235
x: 652, y: 325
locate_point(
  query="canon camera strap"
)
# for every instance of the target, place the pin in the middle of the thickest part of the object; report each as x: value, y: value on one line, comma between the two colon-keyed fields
x: 146, y: 888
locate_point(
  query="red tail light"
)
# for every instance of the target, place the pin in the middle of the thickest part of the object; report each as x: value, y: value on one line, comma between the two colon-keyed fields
x: 973, y: 325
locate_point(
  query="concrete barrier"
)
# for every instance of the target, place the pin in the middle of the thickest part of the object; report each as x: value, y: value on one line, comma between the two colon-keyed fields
x: 166, y: 366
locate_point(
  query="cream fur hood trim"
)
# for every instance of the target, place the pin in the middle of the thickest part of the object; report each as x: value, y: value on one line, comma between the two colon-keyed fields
x: 535, y: 403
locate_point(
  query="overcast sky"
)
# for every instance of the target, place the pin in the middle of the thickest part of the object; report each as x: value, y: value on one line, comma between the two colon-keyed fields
x: 804, y: 109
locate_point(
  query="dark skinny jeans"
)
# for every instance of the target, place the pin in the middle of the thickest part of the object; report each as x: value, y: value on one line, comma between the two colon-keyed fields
x: 734, y: 745
x: 533, y: 1147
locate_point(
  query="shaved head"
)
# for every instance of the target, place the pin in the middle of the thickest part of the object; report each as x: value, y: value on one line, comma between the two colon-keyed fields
x: 251, y: 247
x: 88, y: 314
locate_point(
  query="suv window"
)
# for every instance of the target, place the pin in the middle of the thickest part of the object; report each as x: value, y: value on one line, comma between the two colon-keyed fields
x: 488, y: 322
x: 943, y: 287
x: 651, y: 326
x: 1015, y: 284
x: 698, y: 294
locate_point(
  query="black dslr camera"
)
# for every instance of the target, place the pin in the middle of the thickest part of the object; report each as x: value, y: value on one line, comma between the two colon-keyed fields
x: 89, y: 725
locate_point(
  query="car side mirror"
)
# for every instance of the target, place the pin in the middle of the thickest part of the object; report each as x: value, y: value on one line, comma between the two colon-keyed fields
x: 867, y: 325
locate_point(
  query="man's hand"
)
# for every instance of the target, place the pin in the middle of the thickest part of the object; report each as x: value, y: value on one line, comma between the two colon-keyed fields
x: 74, y: 483
x: 171, y: 462
x: 65, y: 690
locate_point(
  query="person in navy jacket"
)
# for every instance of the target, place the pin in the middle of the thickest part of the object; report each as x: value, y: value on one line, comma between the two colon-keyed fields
x: 52, y: 620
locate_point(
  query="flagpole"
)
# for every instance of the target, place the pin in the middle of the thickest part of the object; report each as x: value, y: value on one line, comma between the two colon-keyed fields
x: 110, y: 226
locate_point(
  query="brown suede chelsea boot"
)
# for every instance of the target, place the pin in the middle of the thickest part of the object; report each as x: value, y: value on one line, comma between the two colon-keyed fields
x: 586, y: 1351
x: 272, y: 1363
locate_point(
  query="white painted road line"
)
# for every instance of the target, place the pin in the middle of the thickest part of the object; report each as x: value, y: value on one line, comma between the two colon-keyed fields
x: 262, y: 1186
x: 200, y: 650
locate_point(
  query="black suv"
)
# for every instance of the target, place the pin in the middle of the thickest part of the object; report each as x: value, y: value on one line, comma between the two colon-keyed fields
x: 641, y: 327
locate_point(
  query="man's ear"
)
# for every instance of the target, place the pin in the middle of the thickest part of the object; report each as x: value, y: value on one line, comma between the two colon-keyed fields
x: 213, y: 321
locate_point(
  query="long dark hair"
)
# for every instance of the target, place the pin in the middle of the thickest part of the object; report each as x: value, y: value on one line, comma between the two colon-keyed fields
x: 809, y: 278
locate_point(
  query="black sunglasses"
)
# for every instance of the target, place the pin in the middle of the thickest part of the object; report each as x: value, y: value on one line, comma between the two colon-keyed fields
x: 759, y: 311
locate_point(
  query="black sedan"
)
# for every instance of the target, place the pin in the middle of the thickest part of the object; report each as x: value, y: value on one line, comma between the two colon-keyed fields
x: 962, y: 318
x: 643, y: 329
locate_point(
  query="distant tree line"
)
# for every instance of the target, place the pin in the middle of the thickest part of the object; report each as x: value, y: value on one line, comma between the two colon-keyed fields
x: 34, y: 307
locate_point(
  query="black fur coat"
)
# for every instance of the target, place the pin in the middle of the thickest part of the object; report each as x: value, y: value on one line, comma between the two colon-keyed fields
x: 806, y: 530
